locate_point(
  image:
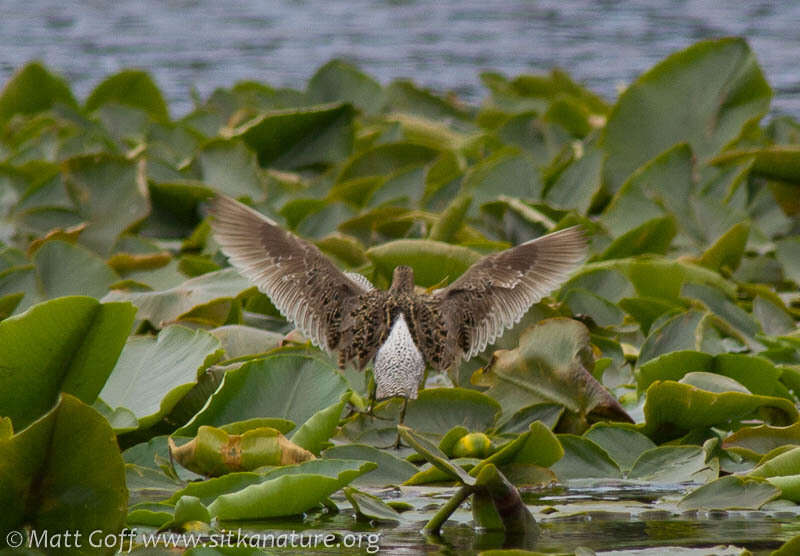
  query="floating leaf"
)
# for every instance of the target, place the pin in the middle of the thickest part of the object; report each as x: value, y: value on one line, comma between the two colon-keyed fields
x: 315, y: 432
x: 757, y: 374
x: 785, y: 463
x: 83, y: 339
x: 583, y: 459
x: 384, y: 159
x: 108, y: 192
x: 64, y: 269
x: 432, y: 261
x: 787, y: 251
x: 286, y: 385
x: 65, y: 486
x: 130, y: 87
x: 622, y: 443
x: 282, y: 496
x: 670, y: 464
x: 435, y: 456
x: 578, y: 184
x: 231, y: 168
x: 391, y: 470
x: 661, y: 187
x: 728, y: 250
x: 32, y: 89
x: 512, y: 513
x: 506, y: 172
x: 339, y: 81
x: 238, y: 340
x: 654, y: 236
x: 672, y: 408
x: 764, y: 438
x: 371, y: 507
x: 153, y: 374
x: 300, y: 137
x: 552, y: 364
x: 519, y: 422
x: 729, y: 493
x: 651, y: 115
x: 163, y: 307
x: 214, y: 452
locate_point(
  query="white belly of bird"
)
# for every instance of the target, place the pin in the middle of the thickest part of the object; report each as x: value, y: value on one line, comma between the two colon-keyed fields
x: 399, y: 365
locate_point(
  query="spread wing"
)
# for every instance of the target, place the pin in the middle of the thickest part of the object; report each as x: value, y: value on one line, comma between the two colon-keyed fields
x: 495, y: 293
x: 305, y: 286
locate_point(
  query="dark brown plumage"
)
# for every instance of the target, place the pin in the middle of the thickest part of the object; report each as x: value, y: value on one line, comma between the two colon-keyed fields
x: 398, y: 328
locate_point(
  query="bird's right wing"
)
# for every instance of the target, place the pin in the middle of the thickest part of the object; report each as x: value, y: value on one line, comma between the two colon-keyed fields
x: 497, y: 291
x: 305, y: 286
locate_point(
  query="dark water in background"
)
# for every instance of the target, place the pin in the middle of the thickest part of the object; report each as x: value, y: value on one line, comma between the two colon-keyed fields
x: 441, y: 44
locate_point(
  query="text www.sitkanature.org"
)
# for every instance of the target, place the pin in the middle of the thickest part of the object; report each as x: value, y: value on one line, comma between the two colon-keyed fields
x: 128, y: 539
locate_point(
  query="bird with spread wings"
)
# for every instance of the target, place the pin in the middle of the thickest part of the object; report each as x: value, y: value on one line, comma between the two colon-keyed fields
x: 399, y: 329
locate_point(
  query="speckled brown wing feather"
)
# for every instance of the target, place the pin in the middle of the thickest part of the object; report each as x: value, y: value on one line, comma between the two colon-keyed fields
x: 495, y: 293
x: 305, y: 286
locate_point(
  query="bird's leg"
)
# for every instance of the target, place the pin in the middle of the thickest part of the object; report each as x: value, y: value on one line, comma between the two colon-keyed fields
x: 373, y: 388
x: 402, y: 419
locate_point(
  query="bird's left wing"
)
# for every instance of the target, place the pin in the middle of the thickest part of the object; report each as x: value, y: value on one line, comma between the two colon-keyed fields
x: 495, y: 292
x: 305, y: 286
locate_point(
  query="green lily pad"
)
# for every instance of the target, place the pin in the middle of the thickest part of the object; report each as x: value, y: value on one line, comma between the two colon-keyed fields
x: 436, y: 457
x: 506, y: 172
x: 764, y: 438
x: 131, y: 87
x: 671, y: 464
x: 553, y: 363
x: 653, y: 236
x: 231, y: 168
x: 391, y: 470
x: 583, y: 459
x: 660, y: 188
x: 285, y: 385
x: 728, y: 250
x: 579, y: 183
x: 672, y: 408
x: 537, y: 446
x: 371, y: 507
x: 623, y: 444
x: 437, y: 410
x: 387, y: 158
x: 300, y: 137
x: 83, y: 339
x: 108, y: 193
x: 339, y: 81
x: 778, y: 162
x: 313, y: 435
x: 519, y: 422
x: 162, y: 307
x: 214, y: 452
x: 65, y: 269
x: 238, y: 340
x: 33, y: 89
x: 66, y: 486
x: 730, y: 493
x: 785, y: 463
x: 757, y: 374
x: 651, y: 115
x: 153, y: 374
x: 282, y: 496
x: 789, y: 485
x: 432, y: 261
x: 787, y: 251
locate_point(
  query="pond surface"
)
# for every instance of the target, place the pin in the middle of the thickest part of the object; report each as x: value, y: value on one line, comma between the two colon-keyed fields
x: 614, y: 518
x: 205, y: 44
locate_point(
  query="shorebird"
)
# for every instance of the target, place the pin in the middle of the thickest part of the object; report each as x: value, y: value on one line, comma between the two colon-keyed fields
x: 399, y: 329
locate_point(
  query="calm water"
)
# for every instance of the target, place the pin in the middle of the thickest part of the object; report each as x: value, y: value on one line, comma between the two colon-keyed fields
x: 204, y: 44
